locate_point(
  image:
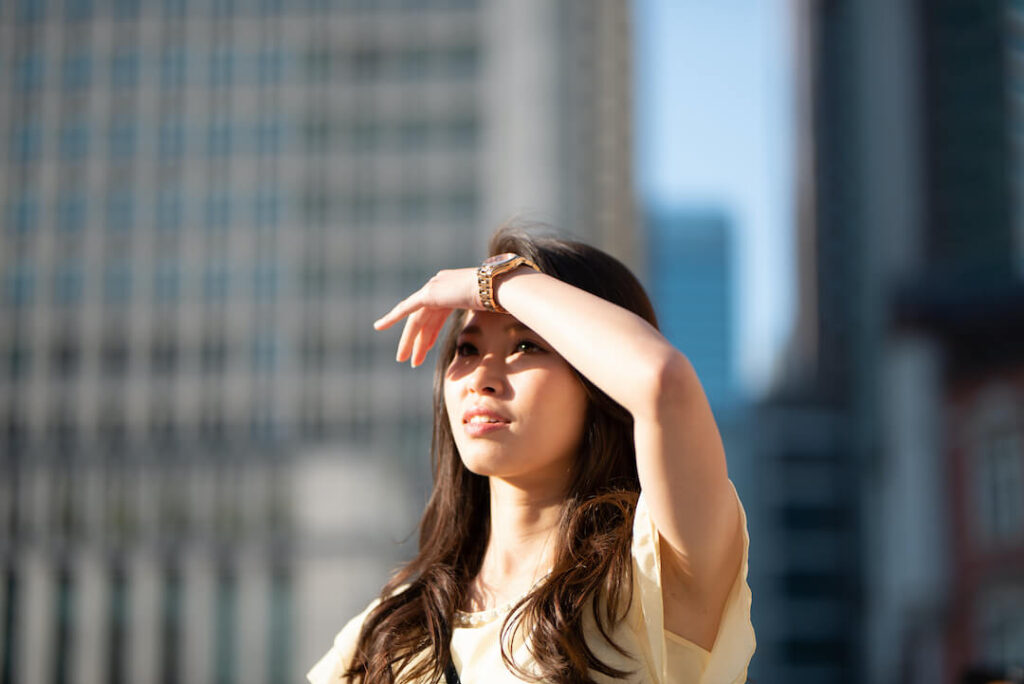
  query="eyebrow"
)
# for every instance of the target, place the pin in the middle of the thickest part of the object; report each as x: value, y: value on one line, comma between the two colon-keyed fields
x: 475, y: 329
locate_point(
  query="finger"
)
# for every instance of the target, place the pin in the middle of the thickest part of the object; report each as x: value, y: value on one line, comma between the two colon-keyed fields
x: 418, y: 352
x: 436, y: 329
x: 408, y: 335
x: 430, y: 328
x: 400, y: 311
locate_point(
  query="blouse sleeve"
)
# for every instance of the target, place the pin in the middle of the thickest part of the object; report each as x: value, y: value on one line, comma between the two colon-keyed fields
x: 330, y: 669
x: 734, y: 645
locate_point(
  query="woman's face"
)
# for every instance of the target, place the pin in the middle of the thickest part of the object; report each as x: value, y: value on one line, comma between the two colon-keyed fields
x: 516, y: 407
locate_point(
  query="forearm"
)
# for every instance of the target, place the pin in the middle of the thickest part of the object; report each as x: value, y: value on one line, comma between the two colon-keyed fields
x: 617, y: 350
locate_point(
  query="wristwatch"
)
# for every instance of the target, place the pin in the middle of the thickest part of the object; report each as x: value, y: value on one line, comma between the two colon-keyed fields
x: 495, y: 266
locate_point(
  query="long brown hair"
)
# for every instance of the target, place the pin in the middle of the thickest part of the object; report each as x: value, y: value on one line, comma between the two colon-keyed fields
x: 407, y: 636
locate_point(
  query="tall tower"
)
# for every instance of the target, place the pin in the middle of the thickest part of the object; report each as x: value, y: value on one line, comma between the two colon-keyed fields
x: 205, y: 205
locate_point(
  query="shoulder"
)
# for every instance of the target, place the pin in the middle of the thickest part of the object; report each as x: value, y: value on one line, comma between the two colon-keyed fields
x: 332, y: 666
x: 731, y: 643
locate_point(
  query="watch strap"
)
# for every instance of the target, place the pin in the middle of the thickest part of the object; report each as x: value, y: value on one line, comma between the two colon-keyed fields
x: 485, y: 274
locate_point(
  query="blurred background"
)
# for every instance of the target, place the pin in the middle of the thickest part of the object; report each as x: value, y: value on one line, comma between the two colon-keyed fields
x: 208, y: 459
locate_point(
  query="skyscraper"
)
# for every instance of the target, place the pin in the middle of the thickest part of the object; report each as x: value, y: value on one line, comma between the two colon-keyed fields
x: 204, y: 208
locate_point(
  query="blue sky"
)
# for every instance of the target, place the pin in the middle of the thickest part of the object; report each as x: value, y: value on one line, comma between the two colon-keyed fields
x: 713, y: 115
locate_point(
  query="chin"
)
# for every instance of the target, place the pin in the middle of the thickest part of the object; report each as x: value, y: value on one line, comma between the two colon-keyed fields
x: 483, y: 461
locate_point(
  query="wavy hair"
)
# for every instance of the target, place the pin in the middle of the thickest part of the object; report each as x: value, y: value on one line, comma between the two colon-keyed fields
x: 407, y: 636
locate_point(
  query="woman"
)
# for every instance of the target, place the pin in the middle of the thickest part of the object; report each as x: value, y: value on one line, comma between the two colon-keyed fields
x: 556, y: 403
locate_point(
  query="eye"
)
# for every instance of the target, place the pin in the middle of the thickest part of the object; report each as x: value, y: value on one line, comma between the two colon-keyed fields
x: 465, y: 349
x: 527, y: 346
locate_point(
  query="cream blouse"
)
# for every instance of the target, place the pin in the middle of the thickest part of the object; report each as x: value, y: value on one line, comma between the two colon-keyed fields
x: 658, y: 656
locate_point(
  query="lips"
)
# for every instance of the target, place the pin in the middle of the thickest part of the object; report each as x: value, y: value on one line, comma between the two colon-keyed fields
x: 481, y: 421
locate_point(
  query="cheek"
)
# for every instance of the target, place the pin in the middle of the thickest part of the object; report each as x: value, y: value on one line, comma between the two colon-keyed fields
x: 450, y: 395
x: 567, y: 402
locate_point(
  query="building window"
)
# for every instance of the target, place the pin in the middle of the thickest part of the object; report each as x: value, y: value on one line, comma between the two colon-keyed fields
x: 316, y: 134
x: 168, y: 209
x: 412, y: 135
x: 28, y: 71
x: 164, y: 355
x: 120, y: 210
x: 76, y: 72
x: 162, y: 429
x: 314, y: 350
x: 174, y: 9
x: 126, y: 9
x: 172, y: 67
x: 114, y: 355
x: 64, y: 621
x: 218, y: 210
x: 167, y: 283
x: 318, y: 60
x: 264, y: 281
x: 124, y: 69
x: 71, y: 213
x: 263, y: 426
x: 268, y: 137
x: 218, y: 139
x: 412, y: 64
x: 216, y: 281
x: 113, y: 435
x: 366, y: 136
x: 117, y: 282
x: 171, y: 140
x: 263, y: 353
x: 997, y: 455
x: 67, y: 286
x: 223, y: 8
x: 413, y: 207
x: 316, y: 207
x: 77, y: 10
x: 222, y: 66
x: 122, y: 138
x: 311, y: 418
x: 225, y: 656
x: 25, y: 143
x: 269, y: 65
x: 268, y: 208
x: 213, y: 355
x: 19, y: 285
x: 15, y: 433
x: 461, y: 62
x: 19, y: 360
x: 314, y: 277
x: 366, y: 64
x: 364, y: 209
x: 23, y: 213
x: 1000, y: 462
x: 63, y: 435
x: 212, y: 431
x: 462, y: 206
x: 1000, y: 620
x: 171, y: 624
x: 462, y: 133
x: 65, y: 356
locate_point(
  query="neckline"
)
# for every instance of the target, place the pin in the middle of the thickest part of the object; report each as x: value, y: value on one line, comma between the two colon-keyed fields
x: 464, y: 618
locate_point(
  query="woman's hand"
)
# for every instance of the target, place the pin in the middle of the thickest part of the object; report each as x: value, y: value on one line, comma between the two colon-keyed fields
x: 428, y: 308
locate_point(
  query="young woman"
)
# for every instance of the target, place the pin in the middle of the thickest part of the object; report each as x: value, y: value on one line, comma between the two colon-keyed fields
x: 582, y: 525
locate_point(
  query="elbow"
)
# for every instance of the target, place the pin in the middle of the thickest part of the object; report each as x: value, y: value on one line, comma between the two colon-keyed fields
x: 672, y: 383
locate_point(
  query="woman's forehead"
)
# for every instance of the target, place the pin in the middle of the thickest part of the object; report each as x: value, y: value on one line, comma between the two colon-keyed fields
x: 479, y: 322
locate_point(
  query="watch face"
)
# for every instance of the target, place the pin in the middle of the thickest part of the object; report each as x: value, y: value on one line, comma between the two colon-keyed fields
x: 499, y: 259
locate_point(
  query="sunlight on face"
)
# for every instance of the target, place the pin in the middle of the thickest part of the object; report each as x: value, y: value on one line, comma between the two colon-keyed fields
x: 515, y: 406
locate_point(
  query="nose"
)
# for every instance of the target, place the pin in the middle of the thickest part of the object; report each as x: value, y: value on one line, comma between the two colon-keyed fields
x: 488, y: 377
